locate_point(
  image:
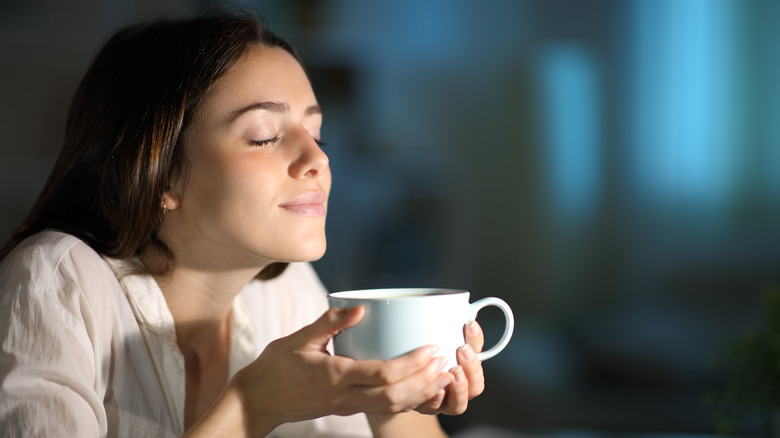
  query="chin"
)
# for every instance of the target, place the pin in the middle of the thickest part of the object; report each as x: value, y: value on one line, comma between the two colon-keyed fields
x: 315, y: 255
x: 306, y: 254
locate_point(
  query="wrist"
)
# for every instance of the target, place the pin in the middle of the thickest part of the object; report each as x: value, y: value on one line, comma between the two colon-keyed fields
x: 229, y: 416
x: 405, y: 425
x: 246, y: 409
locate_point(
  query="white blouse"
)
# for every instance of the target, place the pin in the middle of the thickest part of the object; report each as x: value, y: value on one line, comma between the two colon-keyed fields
x: 88, y: 349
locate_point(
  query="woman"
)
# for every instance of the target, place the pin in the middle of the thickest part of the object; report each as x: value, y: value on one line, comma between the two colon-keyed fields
x: 146, y: 293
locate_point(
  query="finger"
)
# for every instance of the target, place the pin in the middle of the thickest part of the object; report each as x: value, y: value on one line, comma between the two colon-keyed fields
x: 432, y: 406
x: 412, y: 391
x: 474, y: 335
x: 457, y: 394
x: 317, y: 335
x: 472, y: 369
x: 381, y: 373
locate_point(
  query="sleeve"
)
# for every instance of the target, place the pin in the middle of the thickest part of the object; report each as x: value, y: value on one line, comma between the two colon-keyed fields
x: 47, y: 358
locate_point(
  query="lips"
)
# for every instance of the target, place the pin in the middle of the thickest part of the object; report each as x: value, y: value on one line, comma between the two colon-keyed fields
x: 309, y: 204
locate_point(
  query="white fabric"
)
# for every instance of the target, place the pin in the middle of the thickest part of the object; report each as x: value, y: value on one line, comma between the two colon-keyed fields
x: 88, y: 349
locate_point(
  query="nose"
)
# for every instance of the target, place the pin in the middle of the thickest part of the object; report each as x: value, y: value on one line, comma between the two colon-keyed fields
x: 311, y: 161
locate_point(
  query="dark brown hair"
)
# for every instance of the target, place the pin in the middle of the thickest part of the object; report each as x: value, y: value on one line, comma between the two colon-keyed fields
x: 126, y: 127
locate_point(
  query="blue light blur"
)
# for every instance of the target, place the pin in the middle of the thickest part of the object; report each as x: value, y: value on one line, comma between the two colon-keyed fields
x: 570, y: 112
x: 683, y: 100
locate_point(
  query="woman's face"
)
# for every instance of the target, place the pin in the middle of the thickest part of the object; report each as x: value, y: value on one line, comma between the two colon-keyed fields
x: 258, y: 180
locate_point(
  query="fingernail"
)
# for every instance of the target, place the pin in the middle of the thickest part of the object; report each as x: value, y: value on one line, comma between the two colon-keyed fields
x: 460, y: 377
x: 468, y: 352
x: 473, y: 328
x: 437, y: 364
x: 443, y: 382
x: 432, y: 350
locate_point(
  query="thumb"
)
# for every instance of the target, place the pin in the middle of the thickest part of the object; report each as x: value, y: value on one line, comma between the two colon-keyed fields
x: 317, y: 335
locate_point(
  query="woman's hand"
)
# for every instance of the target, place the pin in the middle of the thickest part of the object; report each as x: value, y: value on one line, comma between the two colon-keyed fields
x: 295, y: 378
x: 468, y: 377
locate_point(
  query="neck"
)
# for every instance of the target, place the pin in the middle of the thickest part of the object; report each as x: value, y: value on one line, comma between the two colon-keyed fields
x: 200, y: 296
x: 199, y: 299
x: 201, y: 302
x: 201, y: 305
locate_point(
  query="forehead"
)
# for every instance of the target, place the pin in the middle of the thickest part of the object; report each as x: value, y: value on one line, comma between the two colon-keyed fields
x: 262, y: 74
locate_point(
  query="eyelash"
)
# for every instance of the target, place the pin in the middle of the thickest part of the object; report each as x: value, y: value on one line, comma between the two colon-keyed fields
x: 261, y: 143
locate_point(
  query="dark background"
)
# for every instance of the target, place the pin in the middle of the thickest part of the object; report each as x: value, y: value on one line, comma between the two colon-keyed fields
x: 611, y: 168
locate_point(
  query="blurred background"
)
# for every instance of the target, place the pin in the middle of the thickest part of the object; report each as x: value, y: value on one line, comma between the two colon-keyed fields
x: 611, y: 168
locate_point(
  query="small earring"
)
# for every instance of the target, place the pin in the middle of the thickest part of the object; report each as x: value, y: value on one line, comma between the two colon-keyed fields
x: 165, y: 207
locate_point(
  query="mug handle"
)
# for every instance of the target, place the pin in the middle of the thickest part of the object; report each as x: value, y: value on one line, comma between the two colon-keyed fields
x: 508, y: 328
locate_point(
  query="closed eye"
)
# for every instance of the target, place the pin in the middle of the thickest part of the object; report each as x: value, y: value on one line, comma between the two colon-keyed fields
x: 261, y: 143
x: 320, y: 143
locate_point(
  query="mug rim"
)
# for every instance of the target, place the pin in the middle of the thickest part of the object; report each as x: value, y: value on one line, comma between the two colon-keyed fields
x: 402, y: 293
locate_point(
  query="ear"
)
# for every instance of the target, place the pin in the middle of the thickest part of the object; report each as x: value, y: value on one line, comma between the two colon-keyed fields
x: 169, y: 202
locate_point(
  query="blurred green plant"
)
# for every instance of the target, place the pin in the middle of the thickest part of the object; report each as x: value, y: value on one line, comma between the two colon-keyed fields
x: 752, y: 367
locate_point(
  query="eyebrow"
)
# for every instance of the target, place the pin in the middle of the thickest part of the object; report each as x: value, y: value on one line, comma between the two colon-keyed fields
x: 272, y: 106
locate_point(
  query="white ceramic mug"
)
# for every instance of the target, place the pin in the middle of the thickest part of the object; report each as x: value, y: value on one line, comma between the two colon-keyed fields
x: 398, y: 321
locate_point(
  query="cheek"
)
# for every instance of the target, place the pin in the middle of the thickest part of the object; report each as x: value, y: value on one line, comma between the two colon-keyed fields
x: 239, y: 184
x: 209, y: 175
x: 213, y: 182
